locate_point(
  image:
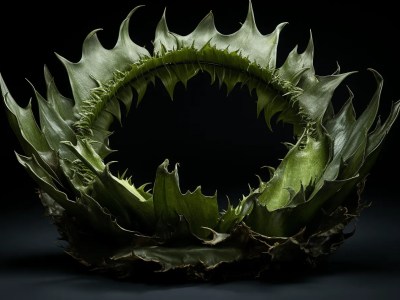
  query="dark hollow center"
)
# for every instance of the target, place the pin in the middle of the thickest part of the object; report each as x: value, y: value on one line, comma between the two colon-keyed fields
x: 217, y: 140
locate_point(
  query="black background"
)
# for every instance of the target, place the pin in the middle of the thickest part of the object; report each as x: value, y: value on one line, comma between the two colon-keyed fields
x: 218, y: 141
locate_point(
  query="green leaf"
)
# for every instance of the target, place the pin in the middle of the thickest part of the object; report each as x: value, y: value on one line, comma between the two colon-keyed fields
x: 63, y: 105
x: 303, y: 164
x: 125, y: 95
x: 315, y: 100
x: 55, y: 129
x: 123, y: 201
x: 47, y: 183
x: 287, y: 221
x: 377, y: 136
x: 235, y: 215
x: 173, y: 258
x: 299, y: 67
x: 99, y: 64
x: 169, y: 203
x: 31, y: 138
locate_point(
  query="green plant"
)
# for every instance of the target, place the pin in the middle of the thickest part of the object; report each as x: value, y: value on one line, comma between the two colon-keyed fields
x: 298, y: 216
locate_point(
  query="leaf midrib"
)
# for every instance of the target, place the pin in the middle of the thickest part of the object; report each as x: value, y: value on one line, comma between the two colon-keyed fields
x: 263, y: 78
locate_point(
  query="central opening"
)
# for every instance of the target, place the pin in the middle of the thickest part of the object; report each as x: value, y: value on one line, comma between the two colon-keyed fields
x: 218, y: 141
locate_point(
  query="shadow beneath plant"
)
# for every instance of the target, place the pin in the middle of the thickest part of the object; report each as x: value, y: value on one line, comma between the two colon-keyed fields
x: 61, y: 264
x: 56, y: 273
